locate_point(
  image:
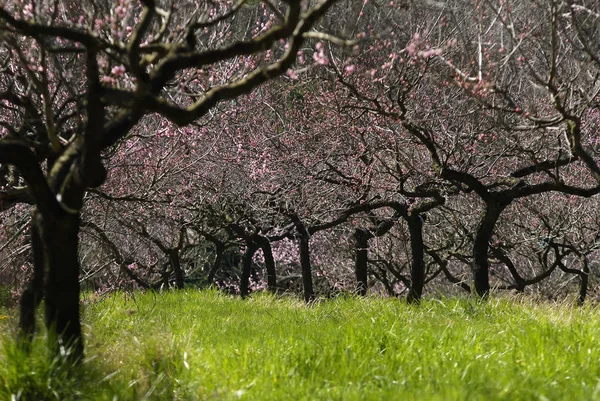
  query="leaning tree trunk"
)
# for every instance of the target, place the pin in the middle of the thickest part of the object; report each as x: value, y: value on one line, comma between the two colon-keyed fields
x: 417, y: 269
x: 60, y: 239
x: 361, y: 244
x: 251, y: 249
x: 481, y: 266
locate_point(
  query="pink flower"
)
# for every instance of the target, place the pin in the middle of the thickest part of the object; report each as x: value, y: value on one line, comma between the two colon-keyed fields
x: 319, y: 55
x: 118, y: 70
x: 411, y: 49
x: 292, y: 74
x: 28, y: 11
x: 320, y: 58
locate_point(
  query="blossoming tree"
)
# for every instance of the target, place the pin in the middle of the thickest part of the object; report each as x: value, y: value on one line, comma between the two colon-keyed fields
x: 79, y: 77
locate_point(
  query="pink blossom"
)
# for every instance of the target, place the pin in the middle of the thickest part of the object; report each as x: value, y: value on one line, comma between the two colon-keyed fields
x: 118, y: 70
x: 28, y: 11
x: 292, y: 74
x: 430, y: 53
x: 411, y: 49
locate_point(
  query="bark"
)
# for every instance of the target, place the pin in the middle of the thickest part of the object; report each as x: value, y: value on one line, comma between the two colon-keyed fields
x: 361, y: 237
x: 269, y: 265
x: 60, y: 236
x: 417, y: 270
x: 32, y: 296
x: 481, y: 266
x: 251, y: 249
x: 307, y: 283
x: 304, y: 242
x: 176, y: 266
x: 584, y: 281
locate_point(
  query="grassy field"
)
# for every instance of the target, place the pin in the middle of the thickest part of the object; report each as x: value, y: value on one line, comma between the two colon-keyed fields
x: 205, y: 346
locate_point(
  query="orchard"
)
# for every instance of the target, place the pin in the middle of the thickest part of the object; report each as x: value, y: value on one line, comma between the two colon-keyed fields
x: 401, y: 148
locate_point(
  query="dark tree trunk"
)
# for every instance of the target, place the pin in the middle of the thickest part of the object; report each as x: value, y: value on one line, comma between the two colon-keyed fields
x: 60, y: 234
x: 216, y: 264
x: 585, y: 274
x: 304, y: 240
x: 176, y: 266
x: 481, y: 246
x: 251, y: 249
x: 362, y: 238
x: 307, y: 283
x: 269, y: 265
x: 32, y: 296
x: 417, y: 269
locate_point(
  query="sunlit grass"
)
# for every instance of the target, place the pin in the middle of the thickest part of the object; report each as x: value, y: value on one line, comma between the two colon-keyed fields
x: 205, y: 346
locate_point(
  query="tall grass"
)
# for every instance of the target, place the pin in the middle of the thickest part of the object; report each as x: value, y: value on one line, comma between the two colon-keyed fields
x: 205, y: 346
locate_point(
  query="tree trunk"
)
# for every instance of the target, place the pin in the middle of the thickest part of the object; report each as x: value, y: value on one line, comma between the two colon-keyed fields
x: 32, y: 296
x: 251, y: 249
x: 176, y: 266
x: 60, y: 236
x: 585, y: 274
x: 417, y: 269
x: 216, y: 264
x: 307, y: 283
x: 269, y: 265
x: 481, y: 246
x: 360, y: 264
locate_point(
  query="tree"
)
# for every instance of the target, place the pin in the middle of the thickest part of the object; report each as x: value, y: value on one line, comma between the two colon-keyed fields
x: 76, y: 88
x: 488, y: 95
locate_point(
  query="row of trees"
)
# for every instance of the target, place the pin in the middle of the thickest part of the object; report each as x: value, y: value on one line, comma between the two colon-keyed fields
x: 407, y: 143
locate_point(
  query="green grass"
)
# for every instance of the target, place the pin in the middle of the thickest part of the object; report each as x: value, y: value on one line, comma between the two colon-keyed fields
x: 205, y: 346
